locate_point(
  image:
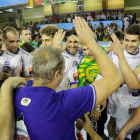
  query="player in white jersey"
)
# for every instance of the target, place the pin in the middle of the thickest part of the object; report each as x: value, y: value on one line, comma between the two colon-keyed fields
x: 124, y: 101
x: 52, y: 35
x: 131, y: 78
x: 10, y: 64
x: 70, y: 73
x: 11, y: 41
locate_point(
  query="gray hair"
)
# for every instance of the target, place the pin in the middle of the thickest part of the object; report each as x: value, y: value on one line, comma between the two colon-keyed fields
x: 46, y: 61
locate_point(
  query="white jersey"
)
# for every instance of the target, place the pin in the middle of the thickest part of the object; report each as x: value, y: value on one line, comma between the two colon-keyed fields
x: 70, y: 72
x: 27, y: 62
x: 79, y: 54
x: 12, y: 62
x: 124, y: 94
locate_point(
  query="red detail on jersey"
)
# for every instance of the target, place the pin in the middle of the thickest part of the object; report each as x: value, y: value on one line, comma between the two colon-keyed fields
x: 21, y: 71
x: 75, y: 75
x: 30, y: 69
x: 21, y: 137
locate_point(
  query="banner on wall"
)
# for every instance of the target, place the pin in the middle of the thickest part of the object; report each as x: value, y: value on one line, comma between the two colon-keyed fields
x: 47, y: 2
x: 37, y: 14
x: 34, y: 2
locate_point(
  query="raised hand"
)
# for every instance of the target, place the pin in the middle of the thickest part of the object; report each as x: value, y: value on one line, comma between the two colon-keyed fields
x: 117, y: 46
x: 85, y: 34
x: 58, y: 38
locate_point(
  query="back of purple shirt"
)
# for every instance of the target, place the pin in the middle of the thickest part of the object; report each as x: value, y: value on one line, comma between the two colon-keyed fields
x: 48, y: 115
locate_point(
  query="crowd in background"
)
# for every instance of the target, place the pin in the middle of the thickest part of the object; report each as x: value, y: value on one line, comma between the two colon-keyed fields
x: 103, y: 32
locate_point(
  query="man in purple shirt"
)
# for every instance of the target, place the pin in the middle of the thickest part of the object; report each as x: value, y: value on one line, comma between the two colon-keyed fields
x: 44, y: 114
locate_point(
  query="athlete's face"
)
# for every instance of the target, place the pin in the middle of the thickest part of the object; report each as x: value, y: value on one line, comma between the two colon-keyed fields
x: 131, y: 43
x: 1, y: 41
x: 26, y: 36
x: 87, y: 52
x: 47, y: 40
x: 12, y: 42
x: 72, y: 45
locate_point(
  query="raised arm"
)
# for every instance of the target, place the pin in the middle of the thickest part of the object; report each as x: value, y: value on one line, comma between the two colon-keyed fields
x: 133, y: 121
x: 7, y: 120
x: 111, y: 77
x: 130, y: 77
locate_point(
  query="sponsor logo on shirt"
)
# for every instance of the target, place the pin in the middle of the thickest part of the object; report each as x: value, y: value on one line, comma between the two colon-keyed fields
x: 7, y: 61
x: 74, y: 63
x: 91, y: 71
x: 25, y: 101
x: 75, y: 75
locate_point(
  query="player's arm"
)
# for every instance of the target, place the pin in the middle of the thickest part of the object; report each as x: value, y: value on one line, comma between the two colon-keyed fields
x: 7, y: 119
x: 133, y: 121
x: 129, y: 76
x: 108, y: 49
x: 88, y: 127
x: 111, y: 77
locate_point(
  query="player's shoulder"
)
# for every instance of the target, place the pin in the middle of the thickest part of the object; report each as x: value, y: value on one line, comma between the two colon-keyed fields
x: 8, y: 54
x: 85, y: 60
x: 23, y: 52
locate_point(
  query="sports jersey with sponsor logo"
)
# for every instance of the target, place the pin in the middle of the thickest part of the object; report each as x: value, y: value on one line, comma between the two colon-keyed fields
x: 70, y: 72
x: 79, y: 54
x: 33, y: 44
x: 26, y: 62
x: 45, y: 112
x: 87, y: 70
x: 124, y: 94
x: 12, y: 62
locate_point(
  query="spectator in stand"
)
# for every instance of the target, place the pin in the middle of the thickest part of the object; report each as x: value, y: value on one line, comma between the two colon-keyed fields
x: 98, y: 16
x: 37, y: 28
x: 88, y: 18
x: 49, y: 20
x: 119, y: 15
x: 85, y: 17
x: 108, y: 16
x: 130, y: 21
x: 69, y: 19
x: 46, y: 20
x: 126, y: 22
x: 91, y: 18
x: 119, y: 28
x: 134, y: 18
x: 73, y: 17
x: 110, y: 30
x: 95, y: 27
x: 131, y: 16
x: 106, y: 35
x: 90, y: 25
x: 112, y: 16
x: 103, y: 17
x: 99, y: 36
x: 64, y: 20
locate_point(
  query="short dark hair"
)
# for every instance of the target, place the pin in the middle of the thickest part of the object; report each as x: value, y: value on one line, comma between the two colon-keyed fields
x: 133, y: 30
x: 119, y: 34
x: 28, y: 47
x: 69, y: 33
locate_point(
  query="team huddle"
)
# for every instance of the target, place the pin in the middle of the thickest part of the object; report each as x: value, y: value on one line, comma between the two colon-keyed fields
x: 69, y: 81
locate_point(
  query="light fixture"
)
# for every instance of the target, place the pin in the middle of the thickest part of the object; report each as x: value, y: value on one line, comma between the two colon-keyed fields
x: 29, y: 7
x: 1, y: 11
